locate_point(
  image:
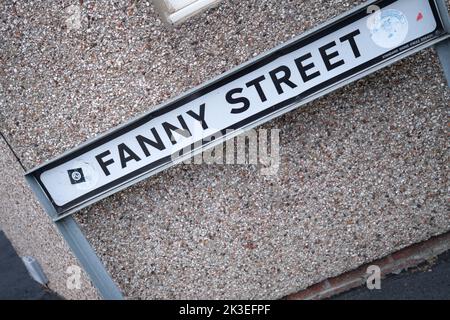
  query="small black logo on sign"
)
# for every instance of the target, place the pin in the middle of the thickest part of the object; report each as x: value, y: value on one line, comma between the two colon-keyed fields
x: 76, y: 175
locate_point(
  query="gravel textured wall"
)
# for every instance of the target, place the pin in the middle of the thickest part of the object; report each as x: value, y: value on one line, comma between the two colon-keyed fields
x: 363, y: 170
x: 32, y: 233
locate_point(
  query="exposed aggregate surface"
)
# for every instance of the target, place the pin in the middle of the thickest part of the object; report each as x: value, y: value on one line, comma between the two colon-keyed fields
x: 363, y: 170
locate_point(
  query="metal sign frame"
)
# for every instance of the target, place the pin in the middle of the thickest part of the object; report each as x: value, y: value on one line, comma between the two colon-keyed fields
x: 441, y: 33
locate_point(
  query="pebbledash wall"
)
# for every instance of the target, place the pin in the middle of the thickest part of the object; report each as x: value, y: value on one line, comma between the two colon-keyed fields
x: 32, y: 234
x: 362, y: 173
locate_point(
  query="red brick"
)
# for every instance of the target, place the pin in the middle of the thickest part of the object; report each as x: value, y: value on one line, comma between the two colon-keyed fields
x: 358, y: 273
x: 342, y: 287
x: 309, y: 293
x: 402, y: 259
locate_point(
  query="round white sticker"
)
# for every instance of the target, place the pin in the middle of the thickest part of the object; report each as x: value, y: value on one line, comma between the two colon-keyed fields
x: 388, y: 28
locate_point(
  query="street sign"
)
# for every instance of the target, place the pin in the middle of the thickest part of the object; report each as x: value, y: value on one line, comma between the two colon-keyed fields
x: 347, y: 48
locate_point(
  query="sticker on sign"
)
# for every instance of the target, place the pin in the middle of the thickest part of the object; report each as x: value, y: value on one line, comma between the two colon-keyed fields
x: 350, y: 47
